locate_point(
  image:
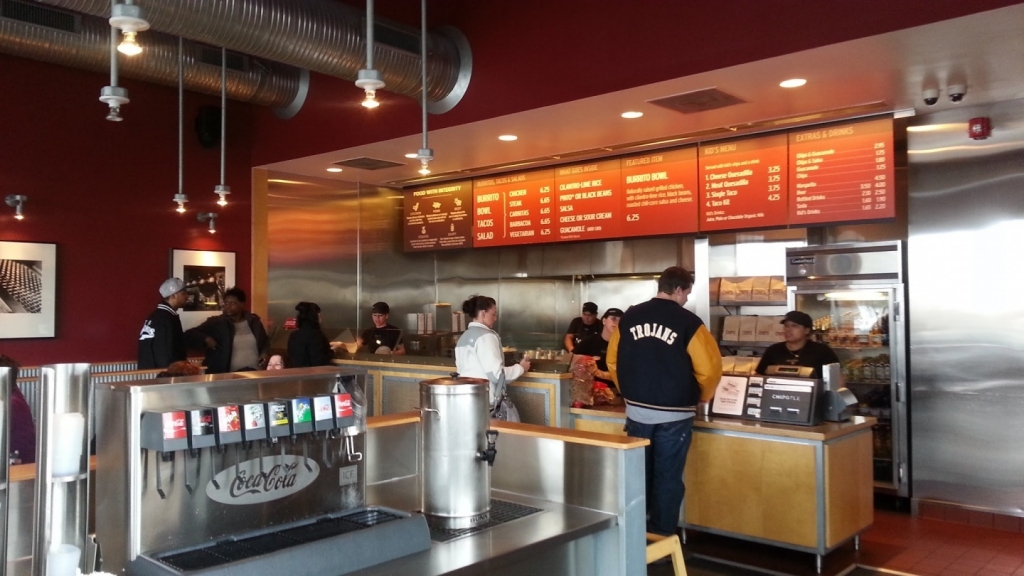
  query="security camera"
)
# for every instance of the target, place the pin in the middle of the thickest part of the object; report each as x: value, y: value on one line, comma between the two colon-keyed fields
x: 956, y: 92
x: 930, y: 96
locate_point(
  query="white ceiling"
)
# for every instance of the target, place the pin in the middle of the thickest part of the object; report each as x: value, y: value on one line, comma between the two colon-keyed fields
x: 984, y: 51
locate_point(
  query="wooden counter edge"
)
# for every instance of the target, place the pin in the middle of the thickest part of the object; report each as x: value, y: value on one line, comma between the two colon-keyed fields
x: 569, y: 435
x: 395, y: 419
x: 23, y: 472
x: 402, y: 365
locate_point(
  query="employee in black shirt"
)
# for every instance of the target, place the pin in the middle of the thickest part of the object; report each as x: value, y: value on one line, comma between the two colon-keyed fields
x: 582, y: 326
x: 597, y: 346
x: 797, y: 350
x: 382, y: 334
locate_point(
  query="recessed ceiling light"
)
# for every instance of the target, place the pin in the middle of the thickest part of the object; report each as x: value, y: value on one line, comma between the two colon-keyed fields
x: 412, y: 155
x: 793, y: 83
x: 508, y: 137
x: 632, y: 114
x: 334, y: 169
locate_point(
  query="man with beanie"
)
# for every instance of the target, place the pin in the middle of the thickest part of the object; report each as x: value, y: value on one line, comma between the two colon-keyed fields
x: 162, y: 341
x: 665, y: 362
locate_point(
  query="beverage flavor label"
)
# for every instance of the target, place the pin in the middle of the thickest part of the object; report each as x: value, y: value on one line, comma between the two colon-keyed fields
x: 343, y: 405
x: 229, y: 421
x: 202, y: 422
x: 254, y: 416
x: 278, y: 414
x: 322, y: 408
x: 174, y: 426
x: 302, y: 411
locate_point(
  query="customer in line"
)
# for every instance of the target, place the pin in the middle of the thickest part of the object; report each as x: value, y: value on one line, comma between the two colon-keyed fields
x: 478, y: 352
x: 276, y: 362
x: 23, y: 429
x: 307, y: 345
x: 665, y: 362
x: 234, y: 340
x: 161, y: 340
x: 180, y: 368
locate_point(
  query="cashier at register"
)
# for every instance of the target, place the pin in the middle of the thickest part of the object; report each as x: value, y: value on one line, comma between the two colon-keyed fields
x: 382, y: 337
x: 797, y: 349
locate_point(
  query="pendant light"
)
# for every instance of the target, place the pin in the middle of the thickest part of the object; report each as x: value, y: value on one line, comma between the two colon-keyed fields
x: 180, y: 197
x: 425, y: 154
x: 369, y: 79
x: 17, y: 201
x: 222, y: 189
x: 130, y: 19
x: 210, y: 217
x: 113, y: 96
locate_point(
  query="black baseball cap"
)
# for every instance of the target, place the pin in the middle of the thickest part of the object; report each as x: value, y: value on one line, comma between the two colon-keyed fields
x: 590, y: 307
x: 612, y: 312
x: 380, y: 308
x: 798, y: 317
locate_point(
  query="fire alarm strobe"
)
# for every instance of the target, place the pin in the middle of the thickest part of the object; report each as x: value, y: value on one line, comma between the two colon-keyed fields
x: 979, y: 128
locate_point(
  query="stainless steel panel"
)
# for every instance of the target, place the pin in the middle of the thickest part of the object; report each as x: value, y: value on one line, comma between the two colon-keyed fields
x: 619, y: 292
x: 611, y: 257
x: 966, y: 230
x: 19, y: 543
x: 869, y: 261
x: 7, y: 382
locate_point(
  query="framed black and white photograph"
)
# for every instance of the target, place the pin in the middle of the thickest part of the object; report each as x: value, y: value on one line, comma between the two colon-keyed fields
x: 28, y: 288
x: 207, y: 275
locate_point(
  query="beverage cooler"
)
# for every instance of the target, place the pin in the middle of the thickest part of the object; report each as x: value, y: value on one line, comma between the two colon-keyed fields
x: 856, y: 296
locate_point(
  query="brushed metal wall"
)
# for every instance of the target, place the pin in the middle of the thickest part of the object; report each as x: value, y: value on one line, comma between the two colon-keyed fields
x: 966, y: 310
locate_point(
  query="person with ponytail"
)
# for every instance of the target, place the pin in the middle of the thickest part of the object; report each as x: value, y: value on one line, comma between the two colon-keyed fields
x: 308, y: 346
x: 478, y: 353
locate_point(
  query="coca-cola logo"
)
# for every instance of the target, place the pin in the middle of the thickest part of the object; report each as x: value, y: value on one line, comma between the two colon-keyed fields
x: 245, y: 484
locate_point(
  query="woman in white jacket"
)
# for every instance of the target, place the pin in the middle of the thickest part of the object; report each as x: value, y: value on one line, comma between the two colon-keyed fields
x: 478, y: 352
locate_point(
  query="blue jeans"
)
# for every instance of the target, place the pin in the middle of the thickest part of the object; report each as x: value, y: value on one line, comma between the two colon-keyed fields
x: 665, y: 459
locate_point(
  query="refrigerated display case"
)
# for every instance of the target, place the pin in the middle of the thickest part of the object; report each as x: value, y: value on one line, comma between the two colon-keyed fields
x: 855, y: 294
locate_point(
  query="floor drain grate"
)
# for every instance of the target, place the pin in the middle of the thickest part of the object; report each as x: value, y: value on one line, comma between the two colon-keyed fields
x: 501, y: 512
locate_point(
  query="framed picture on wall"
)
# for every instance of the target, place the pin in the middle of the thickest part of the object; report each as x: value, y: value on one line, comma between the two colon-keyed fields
x: 28, y: 288
x: 207, y: 275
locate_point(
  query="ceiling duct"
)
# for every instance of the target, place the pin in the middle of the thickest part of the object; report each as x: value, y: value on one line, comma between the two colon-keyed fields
x: 323, y: 36
x: 87, y: 47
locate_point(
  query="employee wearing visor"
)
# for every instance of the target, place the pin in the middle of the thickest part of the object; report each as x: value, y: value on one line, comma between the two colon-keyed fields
x: 582, y: 326
x: 383, y: 338
x: 798, y: 349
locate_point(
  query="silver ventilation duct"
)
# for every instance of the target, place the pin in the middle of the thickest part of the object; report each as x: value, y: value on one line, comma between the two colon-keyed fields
x: 323, y: 36
x: 265, y: 84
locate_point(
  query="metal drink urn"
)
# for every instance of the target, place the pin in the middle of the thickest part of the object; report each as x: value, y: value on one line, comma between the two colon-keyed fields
x: 457, y: 451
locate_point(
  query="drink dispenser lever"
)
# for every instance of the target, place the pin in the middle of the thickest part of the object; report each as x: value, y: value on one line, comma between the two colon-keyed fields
x: 489, y: 454
x: 227, y: 430
x: 200, y: 435
x: 300, y: 417
x: 165, y: 433
x: 345, y: 416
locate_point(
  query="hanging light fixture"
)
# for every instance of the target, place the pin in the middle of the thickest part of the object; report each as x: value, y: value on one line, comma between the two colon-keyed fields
x: 222, y: 189
x: 369, y: 79
x: 211, y: 217
x: 180, y: 197
x: 16, y: 201
x: 130, y: 19
x: 425, y: 154
x: 113, y: 96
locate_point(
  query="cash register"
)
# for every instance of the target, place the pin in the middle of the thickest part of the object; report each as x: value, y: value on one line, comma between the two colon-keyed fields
x: 788, y: 395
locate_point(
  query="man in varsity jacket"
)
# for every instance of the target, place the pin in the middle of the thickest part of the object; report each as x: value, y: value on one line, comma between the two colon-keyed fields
x: 161, y: 340
x: 665, y: 363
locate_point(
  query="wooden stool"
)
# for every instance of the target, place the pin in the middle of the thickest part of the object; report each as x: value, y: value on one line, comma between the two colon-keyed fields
x: 663, y: 546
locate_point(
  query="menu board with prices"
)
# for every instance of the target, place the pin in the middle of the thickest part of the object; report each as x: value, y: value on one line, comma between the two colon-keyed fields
x: 743, y: 183
x: 589, y: 201
x: 438, y: 218
x: 842, y: 173
x: 658, y: 193
x: 514, y: 209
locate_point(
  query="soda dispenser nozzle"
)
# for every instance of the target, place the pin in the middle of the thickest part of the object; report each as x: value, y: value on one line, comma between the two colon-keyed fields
x: 491, y: 451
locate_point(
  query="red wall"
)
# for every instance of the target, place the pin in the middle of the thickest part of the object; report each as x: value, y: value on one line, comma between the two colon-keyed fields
x: 102, y: 192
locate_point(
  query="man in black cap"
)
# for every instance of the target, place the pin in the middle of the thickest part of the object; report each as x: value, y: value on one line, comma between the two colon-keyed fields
x: 382, y: 335
x: 797, y: 349
x: 161, y: 341
x: 582, y: 326
x: 597, y: 346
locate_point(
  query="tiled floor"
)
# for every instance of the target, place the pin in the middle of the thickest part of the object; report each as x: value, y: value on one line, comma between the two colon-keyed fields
x: 896, y: 544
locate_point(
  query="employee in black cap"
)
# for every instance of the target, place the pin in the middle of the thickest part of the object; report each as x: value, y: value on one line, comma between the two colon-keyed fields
x: 582, y: 326
x: 797, y: 349
x: 597, y: 346
x: 382, y: 335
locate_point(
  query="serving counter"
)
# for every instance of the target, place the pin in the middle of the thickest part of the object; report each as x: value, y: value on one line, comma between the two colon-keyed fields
x: 541, y: 395
x: 805, y: 488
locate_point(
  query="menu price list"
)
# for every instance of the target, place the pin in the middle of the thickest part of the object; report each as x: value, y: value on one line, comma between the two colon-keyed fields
x: 743, y: 183
x: 589, y: 205
x: 842, y: 173
x: 438, y: 218
x: 658, y: 193
x: 514, y: 209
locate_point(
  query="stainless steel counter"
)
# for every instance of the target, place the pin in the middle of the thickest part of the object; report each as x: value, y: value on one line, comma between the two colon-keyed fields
x: 536, y: 544
x: 538, y: 366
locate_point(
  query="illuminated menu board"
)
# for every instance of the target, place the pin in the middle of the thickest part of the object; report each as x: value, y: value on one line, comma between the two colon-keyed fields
x: 438, y: 218
x: 514, y: 209
x: 658, y: 193
x: 743, y: 183
x: 589, y: 205
x: 842, y: 173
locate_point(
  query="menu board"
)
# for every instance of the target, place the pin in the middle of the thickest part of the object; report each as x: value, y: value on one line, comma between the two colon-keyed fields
x: 438, y: 218
x: 589, y: 205
x: 658, y: 193
x: 842, y: 173
x: 743, y: 183
x: 514, y: 209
